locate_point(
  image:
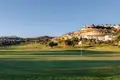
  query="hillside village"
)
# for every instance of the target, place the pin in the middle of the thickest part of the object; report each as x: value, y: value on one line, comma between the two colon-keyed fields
x: 90, y: 35
x: 97, y: 32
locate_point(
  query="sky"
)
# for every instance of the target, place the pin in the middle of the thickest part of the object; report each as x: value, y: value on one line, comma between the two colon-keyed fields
x: 32, y: 18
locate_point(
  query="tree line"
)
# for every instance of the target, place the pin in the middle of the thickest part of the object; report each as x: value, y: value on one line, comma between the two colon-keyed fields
x: 46, y: 40
x: 90, y: 42
x: 9, y: 42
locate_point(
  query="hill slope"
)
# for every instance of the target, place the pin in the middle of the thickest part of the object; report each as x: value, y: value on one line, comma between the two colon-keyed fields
x: 99, y: 32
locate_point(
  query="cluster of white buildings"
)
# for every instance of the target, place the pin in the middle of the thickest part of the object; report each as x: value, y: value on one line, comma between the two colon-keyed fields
x: 11, y: 38
x: 103, y: 33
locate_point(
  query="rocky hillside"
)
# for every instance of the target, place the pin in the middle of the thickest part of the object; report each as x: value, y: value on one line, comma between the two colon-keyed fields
x: 99, y: 32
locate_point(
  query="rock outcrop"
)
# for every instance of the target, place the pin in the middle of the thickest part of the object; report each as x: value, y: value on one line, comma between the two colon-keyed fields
x: 99, y: 32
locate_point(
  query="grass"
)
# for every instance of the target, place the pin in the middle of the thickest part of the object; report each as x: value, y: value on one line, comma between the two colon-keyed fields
x: 41, y: 64
x: 85, y: 68
x: 86, y: 53
x: 106, y: 47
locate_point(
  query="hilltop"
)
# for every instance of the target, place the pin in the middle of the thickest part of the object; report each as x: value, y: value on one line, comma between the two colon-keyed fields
x: 98, y: 32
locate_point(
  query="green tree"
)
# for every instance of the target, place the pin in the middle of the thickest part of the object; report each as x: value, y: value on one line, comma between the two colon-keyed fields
x: 75, y: 41
x: 52, y: 44
x: 1, y: 44
x: 69, y: 42
x: 117, y: 38
x: 55, y: 44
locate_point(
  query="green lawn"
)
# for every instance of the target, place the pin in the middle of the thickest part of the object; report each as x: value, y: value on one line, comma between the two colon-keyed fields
x: 11, y: 69
x: 59, y: 65
x: 88, y: 53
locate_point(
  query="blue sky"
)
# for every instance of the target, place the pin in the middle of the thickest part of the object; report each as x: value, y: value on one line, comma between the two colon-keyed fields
x: 31, y: 18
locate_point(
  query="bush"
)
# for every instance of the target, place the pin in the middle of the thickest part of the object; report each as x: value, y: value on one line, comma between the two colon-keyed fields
x: 52, y: 44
